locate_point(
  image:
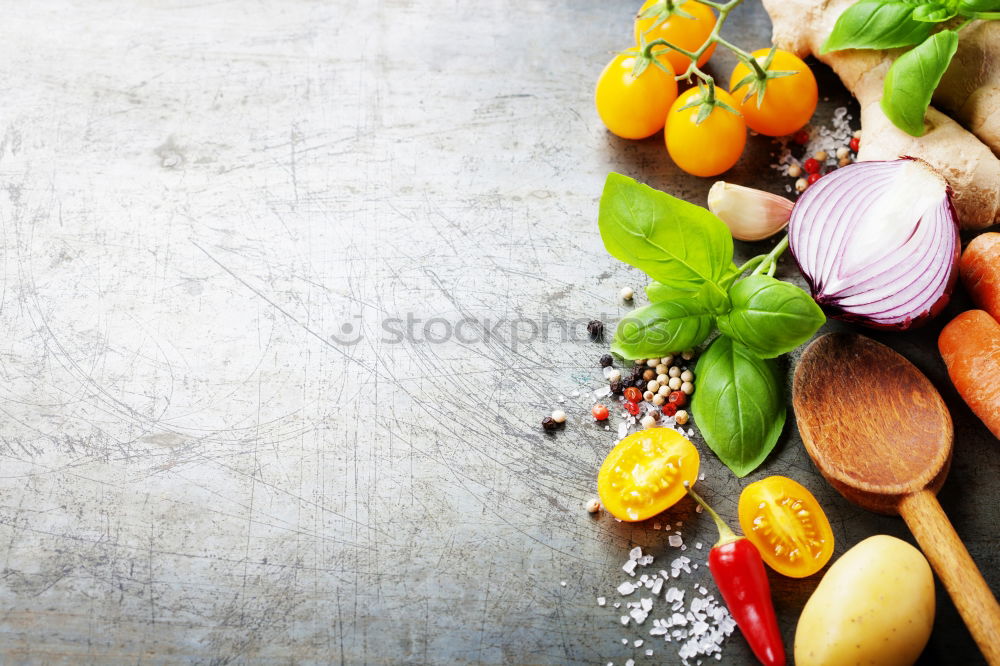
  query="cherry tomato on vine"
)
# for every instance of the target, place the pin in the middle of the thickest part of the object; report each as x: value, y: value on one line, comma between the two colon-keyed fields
x: 687, y: 33
x: 788, y: 526
x: 707, y: 148
x: 634, y: 107
x: 789, y: 101
x: 645, y: 473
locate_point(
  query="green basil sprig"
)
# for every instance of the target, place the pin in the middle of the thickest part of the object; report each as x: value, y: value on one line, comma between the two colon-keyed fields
x: 739, y: 404
x: 874, y: 24
x: 913, y: 77
x: 677, y: 322
x: 770, y: 317
x: 670, y: 240
x: 688, y: 252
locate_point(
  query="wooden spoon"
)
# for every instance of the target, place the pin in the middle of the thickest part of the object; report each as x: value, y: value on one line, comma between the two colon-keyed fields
x: 881, y: 435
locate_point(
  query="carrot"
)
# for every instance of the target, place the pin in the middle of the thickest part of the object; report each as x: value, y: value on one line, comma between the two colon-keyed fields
x: 970, y: 345
x: 980, y: 270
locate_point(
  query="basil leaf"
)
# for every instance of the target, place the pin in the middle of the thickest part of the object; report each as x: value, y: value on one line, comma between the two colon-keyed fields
x: 769, y: 316
x: 674, y: 242
x: 933, y: 13
x: 912, y: 79
x: 974, y: 6
x: 873, y: 24
x: 739, y: 404
x: 657, y: 291
x: 681, y: 321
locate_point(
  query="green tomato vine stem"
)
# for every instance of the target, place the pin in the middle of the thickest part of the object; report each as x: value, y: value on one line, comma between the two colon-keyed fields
x: 724, y: 8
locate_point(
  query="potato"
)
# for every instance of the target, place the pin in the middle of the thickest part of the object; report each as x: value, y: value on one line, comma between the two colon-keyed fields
x: 874, y: 606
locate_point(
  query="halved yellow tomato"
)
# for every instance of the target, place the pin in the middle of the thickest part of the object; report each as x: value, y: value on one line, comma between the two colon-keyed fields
x: 645, y: 473
x: 786, y: 523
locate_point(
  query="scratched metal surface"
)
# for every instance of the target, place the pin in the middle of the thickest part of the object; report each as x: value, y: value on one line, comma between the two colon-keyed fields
x: 216, y: 219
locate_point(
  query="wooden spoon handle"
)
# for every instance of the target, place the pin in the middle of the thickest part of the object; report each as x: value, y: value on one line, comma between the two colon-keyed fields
x: 955, y: 568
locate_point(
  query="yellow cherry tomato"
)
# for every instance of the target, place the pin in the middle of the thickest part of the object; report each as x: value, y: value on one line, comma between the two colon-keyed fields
x: 789, y: 101
x: 788, y: 526
x: 707, y: 148
x: 634, y: 107
x: 687, y: 33
x: 645, y: 473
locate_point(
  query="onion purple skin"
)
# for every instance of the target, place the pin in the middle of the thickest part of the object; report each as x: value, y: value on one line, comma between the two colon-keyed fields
x: 917, y: 319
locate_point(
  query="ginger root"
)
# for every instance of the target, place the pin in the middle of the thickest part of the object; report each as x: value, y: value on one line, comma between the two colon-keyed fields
x: 971, y: 92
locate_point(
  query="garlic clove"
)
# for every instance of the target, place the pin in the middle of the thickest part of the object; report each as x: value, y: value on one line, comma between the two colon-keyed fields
x: 750, y: 214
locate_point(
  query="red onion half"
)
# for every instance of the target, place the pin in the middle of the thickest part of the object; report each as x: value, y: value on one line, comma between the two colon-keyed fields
x: 878, y: 242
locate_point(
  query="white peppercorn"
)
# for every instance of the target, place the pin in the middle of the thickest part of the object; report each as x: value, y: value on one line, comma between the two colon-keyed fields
x: 681, y: 417
x: 653, y: 386
x: 675, y: 383
x: 794, y: 171
x: 559, y: 416
x: 648, y: 396
x: 821, y: 156
x: 664, y: 390
x: 659, y: 399
x: 652, y: 363
x: 675, y: 372
x: 627, y: 293
x: 667, y: 360
x: 687, y: 355
x: 661, y: 369
x: 687, y: 376
x: 593, y: 505
x: 843, y: 152
x: 687, y: 388
x: 801, y: 184
x: 647, y: 421
x: 662, y: 379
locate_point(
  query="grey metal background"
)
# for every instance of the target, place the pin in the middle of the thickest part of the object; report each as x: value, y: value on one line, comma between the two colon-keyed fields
x: 197, y: 197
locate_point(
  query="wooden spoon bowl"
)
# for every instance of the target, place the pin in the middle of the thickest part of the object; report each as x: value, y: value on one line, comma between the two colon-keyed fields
x: 880, y: 433
x: 871, y: 421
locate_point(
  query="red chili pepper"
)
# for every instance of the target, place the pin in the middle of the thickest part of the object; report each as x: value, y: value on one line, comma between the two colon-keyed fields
x: 813, y: 177
x: 739, y: 573
x: 811, y: 165
x: 855, y: 144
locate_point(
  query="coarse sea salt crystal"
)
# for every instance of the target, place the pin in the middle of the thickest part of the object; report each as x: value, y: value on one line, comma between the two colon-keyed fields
x: 601, y: 601
x: 624, y: 619
x: 657, y: 586
x: 629, y: 567
x: 622, y: 430
x: 649, y: 653
x: 635, y: 553
x: 637, y: 643
x: 674, y: 540
x: 625, y: 589
x: 601, y: 392
x: 645, y: 560
x: 638, y: 615
x: 647, y: 604
x: 562, y: 583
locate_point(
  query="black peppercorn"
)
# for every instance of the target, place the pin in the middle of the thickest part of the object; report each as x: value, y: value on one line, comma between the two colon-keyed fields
x: 606, y: 360
x: 549, y: 424
x: 596, y: 330
x: 616, y: 387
